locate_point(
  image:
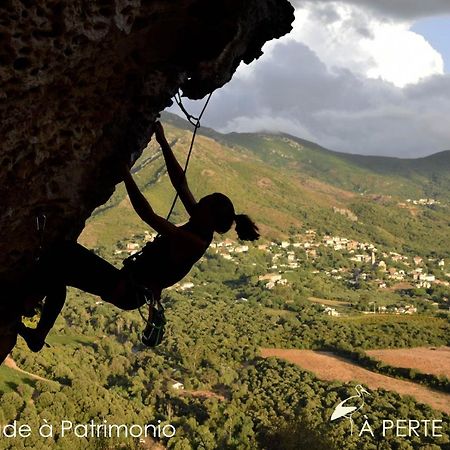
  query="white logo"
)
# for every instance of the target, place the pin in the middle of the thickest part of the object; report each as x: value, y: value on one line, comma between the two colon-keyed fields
x: 350, y: 405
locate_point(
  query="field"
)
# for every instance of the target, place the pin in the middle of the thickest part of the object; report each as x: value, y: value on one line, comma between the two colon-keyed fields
x: 279, y: 312
x: 323, y: 301
x: 68, y: 339
x: 329, y: 367
x: 435, y: 360
x: 11, y: 378
x: 11, y: 364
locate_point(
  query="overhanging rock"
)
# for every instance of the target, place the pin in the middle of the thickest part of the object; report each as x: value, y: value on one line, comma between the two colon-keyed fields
x: 80, y: 84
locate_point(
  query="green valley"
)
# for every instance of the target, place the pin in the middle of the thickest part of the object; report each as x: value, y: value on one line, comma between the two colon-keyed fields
x: 289, y: 185
x: 354, y: 256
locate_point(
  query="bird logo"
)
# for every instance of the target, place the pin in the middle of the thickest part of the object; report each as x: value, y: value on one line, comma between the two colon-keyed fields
x: 350, y: 405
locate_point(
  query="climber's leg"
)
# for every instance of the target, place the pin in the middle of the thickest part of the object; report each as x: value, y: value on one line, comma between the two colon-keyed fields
x: 31, y: 302
x: 53, y: 304
x: 129, y: 295
x: 67, y: 264
x: 9, y: 320
x: 13, y: 297
x: 72, y: 264
x: 7, y: 343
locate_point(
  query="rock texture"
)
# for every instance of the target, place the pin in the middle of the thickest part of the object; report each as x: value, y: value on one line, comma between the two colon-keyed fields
x: 81, y: 83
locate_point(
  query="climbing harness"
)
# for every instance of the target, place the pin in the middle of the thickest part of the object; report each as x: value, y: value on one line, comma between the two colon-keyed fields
x: 154, y: 331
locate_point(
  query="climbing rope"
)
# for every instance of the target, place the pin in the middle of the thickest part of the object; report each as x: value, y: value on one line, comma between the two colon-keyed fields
x: 195, y: 121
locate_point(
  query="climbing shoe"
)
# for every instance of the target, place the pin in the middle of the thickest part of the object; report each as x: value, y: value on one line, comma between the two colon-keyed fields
x: 154, y: 331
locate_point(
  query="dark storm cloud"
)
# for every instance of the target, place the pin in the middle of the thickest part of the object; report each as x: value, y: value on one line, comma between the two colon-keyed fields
x: 293, y: 91
x: 398, y: 9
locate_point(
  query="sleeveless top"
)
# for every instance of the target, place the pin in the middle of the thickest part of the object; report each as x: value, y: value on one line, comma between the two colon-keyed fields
x: 154, y: 266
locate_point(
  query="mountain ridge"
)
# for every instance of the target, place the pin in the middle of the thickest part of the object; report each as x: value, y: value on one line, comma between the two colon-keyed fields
x: 404, y: 177
x: 180, y: 122
x: 286, y: 187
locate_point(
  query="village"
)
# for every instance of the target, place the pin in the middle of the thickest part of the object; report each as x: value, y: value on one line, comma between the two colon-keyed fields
x: 388, y: 271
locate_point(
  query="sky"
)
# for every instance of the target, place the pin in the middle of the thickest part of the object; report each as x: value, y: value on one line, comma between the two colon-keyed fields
x: 436, y: 31
x: 355, y: 76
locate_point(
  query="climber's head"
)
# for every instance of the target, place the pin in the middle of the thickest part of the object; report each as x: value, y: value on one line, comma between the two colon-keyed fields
x: 218, y: 210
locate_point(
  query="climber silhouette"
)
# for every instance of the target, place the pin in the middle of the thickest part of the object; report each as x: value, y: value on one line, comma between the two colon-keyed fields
x: 162, y: 263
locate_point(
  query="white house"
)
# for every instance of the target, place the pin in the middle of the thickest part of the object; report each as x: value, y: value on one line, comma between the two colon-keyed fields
x: 427, y: 277
x: 331, y: 312
x: 410, y: 309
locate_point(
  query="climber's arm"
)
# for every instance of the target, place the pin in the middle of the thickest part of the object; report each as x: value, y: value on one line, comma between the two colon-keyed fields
x: 146, y: 213
x: 176, y: 173
x: 140, y: 203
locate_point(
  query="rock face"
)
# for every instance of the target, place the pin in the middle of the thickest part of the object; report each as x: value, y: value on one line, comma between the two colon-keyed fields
x: 81, y: 83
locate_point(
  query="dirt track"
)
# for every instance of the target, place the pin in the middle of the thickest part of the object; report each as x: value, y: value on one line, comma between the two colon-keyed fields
x: 435, y: 360
x: 327, y: 366
x: 9, y: 362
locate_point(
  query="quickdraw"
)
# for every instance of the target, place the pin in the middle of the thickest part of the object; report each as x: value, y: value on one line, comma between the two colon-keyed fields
x: 156, y: 320
x: 41, y: 221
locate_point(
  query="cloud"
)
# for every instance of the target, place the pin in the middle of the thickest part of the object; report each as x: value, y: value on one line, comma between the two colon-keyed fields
x: 349, y: 36
x: 397, y: 9
x: 347, y: 79
x: 293, y: 91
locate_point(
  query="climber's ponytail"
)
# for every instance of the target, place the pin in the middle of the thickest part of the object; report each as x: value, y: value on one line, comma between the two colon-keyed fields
x: 246, y: 229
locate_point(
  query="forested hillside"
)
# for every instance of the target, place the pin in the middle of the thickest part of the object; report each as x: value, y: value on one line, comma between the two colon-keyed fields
x: 314, y: 281
x: 289, y: 185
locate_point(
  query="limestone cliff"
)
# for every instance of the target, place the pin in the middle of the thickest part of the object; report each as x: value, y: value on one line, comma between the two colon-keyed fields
x: 82, y: 81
